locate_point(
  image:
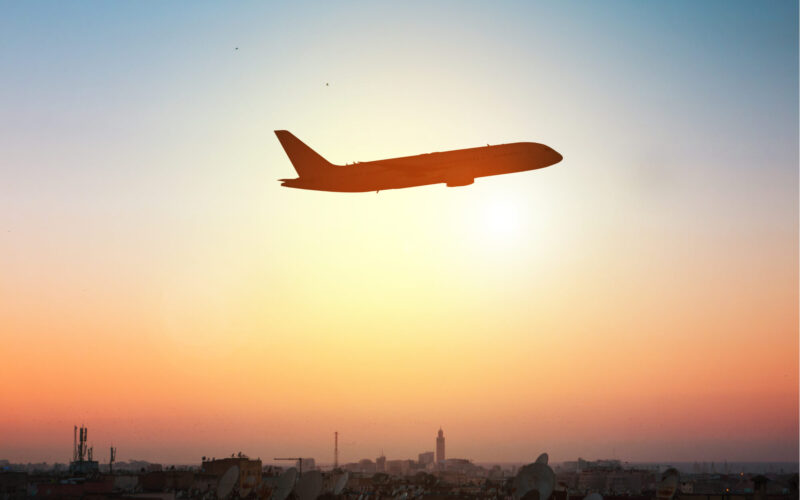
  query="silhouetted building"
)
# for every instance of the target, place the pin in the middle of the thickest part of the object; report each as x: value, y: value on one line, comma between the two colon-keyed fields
x: 13, y: 485
x: 440, y: 446
x: 249, y: 470
x: 308, y: 464
x: 426, y: 458
x: 460, y: 465
x: 84, y: 467
x: 399, y: 467
x: 380, y: 464
x: 592, y: 480
x: 169, y: 480
x: 364, y: 465
x: 629, y: 482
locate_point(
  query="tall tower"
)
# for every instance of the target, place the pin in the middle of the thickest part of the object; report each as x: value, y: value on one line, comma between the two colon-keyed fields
x: 336, y: 450
x: 440, y: 446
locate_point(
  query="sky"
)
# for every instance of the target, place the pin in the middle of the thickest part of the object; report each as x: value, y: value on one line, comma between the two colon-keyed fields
x: 638, y: 300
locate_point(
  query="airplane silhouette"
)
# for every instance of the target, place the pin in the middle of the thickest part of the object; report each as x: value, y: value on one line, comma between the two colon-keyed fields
x: 454, y: 168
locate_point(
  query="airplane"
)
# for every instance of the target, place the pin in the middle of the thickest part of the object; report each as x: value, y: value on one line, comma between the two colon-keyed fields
x: 453, y: 168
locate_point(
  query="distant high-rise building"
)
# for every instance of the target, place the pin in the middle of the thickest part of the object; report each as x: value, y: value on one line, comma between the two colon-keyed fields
x: 426, y: 458
x: 440, y: 446
x: 380, y: 463
x: 399, y: 467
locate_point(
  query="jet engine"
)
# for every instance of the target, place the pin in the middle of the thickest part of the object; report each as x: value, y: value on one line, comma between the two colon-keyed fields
x: 460, y: 181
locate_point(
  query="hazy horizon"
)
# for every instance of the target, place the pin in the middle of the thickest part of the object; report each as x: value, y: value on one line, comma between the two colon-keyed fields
x: 158, y: 285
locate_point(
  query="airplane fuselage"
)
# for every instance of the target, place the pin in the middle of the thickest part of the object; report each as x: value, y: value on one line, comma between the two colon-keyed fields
x: 453, y: 168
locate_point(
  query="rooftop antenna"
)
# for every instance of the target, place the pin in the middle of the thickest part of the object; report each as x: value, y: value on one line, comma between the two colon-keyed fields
x: 112, y: 455
x: 75, y: 443
x: 82, y: 436
x: 336, y: 450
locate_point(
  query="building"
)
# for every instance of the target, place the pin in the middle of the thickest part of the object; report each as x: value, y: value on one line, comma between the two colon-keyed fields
x: 306, y: 464
x: 592, y: 480
x: 440, y: 446
x: 249, y: 470
x: 460, y: 465
x: 426, y: 458
x: 626, y: 482
x: 380, y: 463
x: 13, y: 485
x: 84, y: 467
x: 169, y: 480
x: 399, y: 467
x: 364, y: 465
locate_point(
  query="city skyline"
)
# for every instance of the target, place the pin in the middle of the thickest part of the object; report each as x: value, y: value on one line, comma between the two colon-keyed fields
x: 159, y: 285
x: 87, y: 446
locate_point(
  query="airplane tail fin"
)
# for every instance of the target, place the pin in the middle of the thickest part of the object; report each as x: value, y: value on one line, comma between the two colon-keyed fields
x: 305, y: 160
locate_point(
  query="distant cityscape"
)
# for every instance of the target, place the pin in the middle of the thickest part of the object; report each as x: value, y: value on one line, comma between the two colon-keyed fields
x: 431, y: 475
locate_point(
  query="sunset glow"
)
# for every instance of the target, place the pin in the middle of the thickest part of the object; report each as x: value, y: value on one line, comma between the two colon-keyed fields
x: 637, y: 299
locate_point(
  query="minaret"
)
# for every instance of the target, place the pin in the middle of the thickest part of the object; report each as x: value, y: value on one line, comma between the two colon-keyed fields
x: 440, y: 446
x: 336, y: 450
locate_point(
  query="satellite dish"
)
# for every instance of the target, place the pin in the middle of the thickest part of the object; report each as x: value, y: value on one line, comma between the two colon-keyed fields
x: 309, y: 486
x: 543, y: 458
x: 285, y: 484
x: 227, y: 481
x: 244, y: 490
x: 593, y: 496
x: 341, y: 482
x: 538, y: 477
x: 668, y: 485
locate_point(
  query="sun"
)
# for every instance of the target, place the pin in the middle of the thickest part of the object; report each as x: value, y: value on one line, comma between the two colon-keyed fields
x: 501, y: 221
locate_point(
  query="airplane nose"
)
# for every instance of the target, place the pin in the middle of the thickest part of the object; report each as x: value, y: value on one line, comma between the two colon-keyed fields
x: 556, y: 156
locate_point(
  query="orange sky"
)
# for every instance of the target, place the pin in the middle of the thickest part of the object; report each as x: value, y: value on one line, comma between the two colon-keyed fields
x: 638, y: 299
